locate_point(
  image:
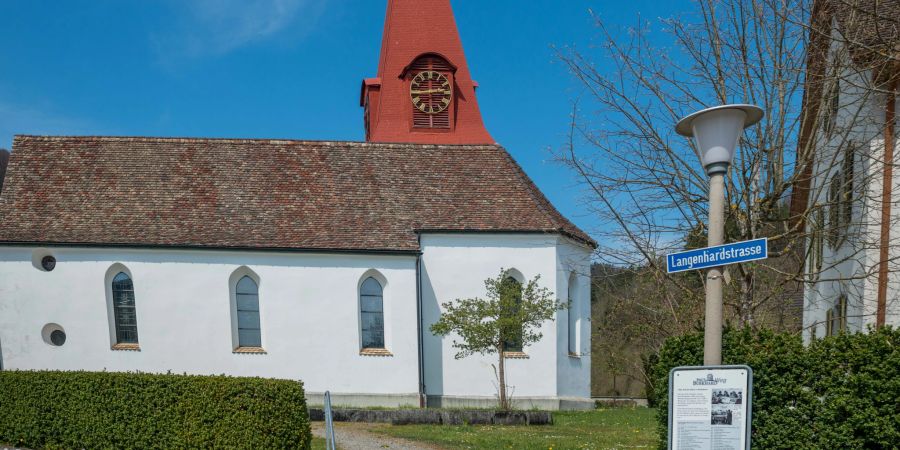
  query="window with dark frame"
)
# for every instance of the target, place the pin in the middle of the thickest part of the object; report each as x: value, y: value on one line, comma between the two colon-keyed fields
x: 511, y: 286
x: 836, y: 317
x: 124, y: 310
x: 847, y: 170
x: 247, y: 299
x: 817, y: 241
x: 835, y: 215
x: 371, y: 304
x: 831, y: 104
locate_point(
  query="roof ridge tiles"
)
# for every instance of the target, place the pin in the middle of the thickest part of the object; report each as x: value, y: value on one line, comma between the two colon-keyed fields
x: 88, y: 138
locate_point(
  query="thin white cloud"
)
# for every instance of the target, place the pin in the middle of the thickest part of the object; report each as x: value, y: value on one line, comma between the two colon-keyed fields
x: 18, y: 119
x: 216, y: 27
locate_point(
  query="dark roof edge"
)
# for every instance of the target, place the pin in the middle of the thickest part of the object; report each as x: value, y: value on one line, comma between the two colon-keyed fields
x: 394, y: 252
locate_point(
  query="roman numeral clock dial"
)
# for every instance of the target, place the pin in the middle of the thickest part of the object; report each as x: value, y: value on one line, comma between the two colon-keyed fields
x: 431, y: 92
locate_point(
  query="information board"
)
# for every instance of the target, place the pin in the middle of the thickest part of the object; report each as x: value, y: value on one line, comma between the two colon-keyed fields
x: 710, y: 408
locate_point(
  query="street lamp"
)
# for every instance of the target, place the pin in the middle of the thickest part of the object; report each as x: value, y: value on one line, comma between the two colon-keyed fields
x: 716, y: 131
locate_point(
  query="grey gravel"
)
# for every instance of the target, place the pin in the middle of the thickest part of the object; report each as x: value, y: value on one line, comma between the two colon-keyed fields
x: 357, y: 436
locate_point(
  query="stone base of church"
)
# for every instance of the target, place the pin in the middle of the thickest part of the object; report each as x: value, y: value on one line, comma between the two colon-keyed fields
x: 411, y: 401
x: 365, y: 400
x: 541, y: 403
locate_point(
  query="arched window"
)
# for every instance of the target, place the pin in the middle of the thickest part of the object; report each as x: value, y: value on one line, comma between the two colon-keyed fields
x: 247, y: 301
x: 371, y: 307
x: 511, y: 301
x: 573, y: 316
x: 124, y: 311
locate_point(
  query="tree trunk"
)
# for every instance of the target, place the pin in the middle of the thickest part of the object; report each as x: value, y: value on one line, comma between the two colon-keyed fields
x: 745, y: 315
x: 501, y: 374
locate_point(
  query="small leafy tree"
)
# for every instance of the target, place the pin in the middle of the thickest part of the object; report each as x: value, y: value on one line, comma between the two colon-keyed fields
x: 507, y: 320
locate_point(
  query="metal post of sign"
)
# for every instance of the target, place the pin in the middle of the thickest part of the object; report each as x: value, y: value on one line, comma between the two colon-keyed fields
x: 716, y: 131
x: 712, y: 339
x: 329, y: 424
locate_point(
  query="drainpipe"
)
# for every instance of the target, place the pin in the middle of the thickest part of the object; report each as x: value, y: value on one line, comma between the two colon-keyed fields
x: 420, y: 326
x: 886, y: 188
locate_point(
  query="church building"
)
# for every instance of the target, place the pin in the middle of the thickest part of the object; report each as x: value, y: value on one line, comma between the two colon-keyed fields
x: 320, y: 261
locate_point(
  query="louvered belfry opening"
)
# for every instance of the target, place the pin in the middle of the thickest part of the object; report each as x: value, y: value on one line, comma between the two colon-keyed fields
x: 422, y: 119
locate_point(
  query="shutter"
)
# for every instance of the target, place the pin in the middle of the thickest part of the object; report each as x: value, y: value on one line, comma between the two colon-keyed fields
x: 847, y: 194
x: 835, y: 215
x: 440, y: 120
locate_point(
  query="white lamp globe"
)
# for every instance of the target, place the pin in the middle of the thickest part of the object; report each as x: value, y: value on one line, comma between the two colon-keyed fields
x: 717, y: 131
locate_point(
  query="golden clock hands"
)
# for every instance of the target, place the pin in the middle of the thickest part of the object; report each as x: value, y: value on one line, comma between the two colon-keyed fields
x: 431, y: 91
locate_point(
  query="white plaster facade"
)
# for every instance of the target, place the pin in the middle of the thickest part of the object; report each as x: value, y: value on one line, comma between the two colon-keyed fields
x: 455, y: 266
x: 309, y: 315
x: 850, y: 268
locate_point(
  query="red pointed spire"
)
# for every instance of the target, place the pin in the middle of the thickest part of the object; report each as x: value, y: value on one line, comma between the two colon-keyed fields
x: 424, y: 92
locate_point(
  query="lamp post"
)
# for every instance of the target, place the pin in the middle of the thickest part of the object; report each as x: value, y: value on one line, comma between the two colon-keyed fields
x: 716, y: 131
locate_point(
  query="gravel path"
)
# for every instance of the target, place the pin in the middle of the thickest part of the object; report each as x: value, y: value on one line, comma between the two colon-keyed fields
x: 357, y: 436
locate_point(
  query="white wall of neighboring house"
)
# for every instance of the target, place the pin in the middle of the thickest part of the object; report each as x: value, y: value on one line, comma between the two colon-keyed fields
x: 309, y: 316
x: 851, y: 269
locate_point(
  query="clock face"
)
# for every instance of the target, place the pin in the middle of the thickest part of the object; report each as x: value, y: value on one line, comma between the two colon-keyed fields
x: 431, y: 92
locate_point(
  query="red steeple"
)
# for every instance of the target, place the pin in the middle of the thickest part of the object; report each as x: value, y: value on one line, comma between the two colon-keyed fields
x: 424, y: 93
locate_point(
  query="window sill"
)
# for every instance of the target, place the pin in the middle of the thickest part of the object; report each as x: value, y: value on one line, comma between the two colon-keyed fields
x: 126, y: 347
x: 250, y: 350
x: 375, y: 352
x: 515, y: 355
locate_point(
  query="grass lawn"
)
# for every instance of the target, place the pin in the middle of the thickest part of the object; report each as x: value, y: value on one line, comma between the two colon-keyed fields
x: 318, y: 443
x: 611, y: 428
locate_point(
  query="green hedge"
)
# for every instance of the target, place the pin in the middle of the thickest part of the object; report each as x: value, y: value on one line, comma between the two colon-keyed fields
x: 838, y: 392
x: 131, y: 410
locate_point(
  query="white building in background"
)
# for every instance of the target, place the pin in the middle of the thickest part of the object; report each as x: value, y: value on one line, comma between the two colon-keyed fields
x: 852, y: 267
x: 325, y: 262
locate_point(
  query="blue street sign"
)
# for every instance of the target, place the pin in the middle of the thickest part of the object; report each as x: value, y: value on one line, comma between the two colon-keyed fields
x: 719, y: 255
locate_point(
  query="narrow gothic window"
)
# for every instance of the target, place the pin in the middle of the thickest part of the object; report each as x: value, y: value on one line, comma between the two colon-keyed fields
x: 247, y: 296
x: 371, y: 304
x: 573, y: 317
x: 124, y: 309
x: 511, y: 301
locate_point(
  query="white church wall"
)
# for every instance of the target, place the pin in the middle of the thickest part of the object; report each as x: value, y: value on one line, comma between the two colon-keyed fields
x: 308, y: 308
x: 469, y: 260
x: 574, y: 282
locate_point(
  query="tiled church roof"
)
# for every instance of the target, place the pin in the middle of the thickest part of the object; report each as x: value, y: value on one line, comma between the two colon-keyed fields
x: 263, y: 194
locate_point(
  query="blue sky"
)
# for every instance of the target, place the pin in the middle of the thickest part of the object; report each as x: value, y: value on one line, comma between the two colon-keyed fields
x: 284, y: 69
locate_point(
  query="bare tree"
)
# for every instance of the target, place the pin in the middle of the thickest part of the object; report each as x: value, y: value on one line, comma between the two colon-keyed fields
x: 646, y: 185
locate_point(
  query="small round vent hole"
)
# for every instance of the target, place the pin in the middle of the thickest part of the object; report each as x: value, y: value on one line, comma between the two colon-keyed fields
x: 48, y: 263
x: 53, y: 335
x: 58, y: 338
